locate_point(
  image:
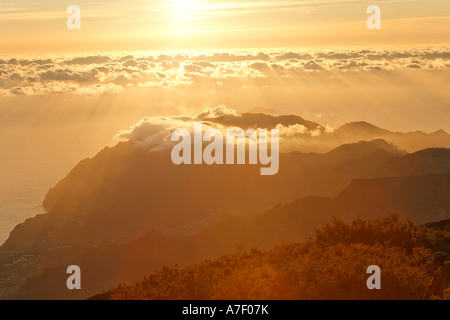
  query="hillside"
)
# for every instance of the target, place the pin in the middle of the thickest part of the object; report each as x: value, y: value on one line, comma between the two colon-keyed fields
x: 326, y: 140
x: 418, y: 163
x: 123, y: 191
x: 410, y: 141
x: 111, y: 263
x: 128, y: 210
x: 332, y: 266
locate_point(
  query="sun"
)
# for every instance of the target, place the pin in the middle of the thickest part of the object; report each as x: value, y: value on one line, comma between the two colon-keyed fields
x: 185, y: 7
x: 186, y: 15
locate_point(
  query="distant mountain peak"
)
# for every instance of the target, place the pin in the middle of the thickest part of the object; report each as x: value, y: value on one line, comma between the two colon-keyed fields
x: 361, y: 123
x: 431, y: 152
x: 368, y: 146
x: 359, y: 127
x: 261, y: 120
x: 440, y: 132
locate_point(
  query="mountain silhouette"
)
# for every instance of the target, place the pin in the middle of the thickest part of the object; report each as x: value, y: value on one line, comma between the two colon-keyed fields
x: 123, y: 191
x: 324, y: 140
x: 419, y: 198
x: 261, y: 120
x: 362, y: 129
x: 128, y: 210
x: 410, y: 141
x: 418, y: 163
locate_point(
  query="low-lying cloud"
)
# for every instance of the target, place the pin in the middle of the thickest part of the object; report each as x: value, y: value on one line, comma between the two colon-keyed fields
x: 154, y: 133
x: 108, y: 73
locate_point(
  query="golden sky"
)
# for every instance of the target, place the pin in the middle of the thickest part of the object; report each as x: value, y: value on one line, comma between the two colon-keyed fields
x: 31, y: 26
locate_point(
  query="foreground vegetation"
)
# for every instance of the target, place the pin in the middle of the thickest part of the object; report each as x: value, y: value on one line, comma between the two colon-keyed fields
x: 330, y: 266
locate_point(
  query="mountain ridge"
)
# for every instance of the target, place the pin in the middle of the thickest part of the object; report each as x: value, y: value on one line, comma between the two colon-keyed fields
x: 122, y: 201
x: 293, y: 222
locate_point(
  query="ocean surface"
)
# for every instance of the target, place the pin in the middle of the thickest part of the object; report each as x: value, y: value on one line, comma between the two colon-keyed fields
x: 31, y: 162
x: 20, y: 198
x: 25, y: 177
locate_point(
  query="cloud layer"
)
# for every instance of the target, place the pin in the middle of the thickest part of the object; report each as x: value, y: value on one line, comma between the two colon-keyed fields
x: 106, y: 73
x: 154, y: 133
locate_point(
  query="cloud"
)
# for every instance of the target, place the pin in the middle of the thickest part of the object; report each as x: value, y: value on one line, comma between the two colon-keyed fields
x: 215, y: 69
x: 17, y: 91
x: 38, y: 62
x: 130, y: 63
x: 312, y: 65
x: 88, y: 60
x: 154, y: 133
x: 231, y: 57
x: 260, y: 66
x: 296, y: 129
x: 293, y: 55
x: 219, y: 111
x: 151, y: 131
x: 69, y: 75
x: 413, y: 66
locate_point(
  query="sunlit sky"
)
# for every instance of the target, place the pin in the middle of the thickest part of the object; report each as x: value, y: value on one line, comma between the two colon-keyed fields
x: 64, y: 94
x: 30, y: 26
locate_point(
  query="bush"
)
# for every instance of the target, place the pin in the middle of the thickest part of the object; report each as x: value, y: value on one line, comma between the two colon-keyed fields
x: 331, y: 266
